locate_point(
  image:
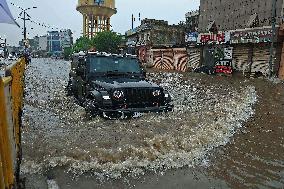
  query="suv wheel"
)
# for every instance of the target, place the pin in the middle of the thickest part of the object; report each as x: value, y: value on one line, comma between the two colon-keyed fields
x: 91, y: 111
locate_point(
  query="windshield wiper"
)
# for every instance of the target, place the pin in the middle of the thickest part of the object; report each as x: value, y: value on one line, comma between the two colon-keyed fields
x: 133, y: 74
x: 114, y: 73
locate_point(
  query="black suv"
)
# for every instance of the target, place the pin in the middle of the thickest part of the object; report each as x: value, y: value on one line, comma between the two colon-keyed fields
x: 114, y: 86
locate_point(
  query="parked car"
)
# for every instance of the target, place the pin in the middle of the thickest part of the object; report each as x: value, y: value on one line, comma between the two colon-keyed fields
x: 114, y: 86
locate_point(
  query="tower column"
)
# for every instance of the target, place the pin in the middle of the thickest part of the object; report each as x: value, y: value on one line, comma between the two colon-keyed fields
x: 96, y: 24
x: 88, y: 26
x: 84, y: 25
x: 103, y: 19
x: 108, y: 24
x: 100, y: 24
x: 92, y: 25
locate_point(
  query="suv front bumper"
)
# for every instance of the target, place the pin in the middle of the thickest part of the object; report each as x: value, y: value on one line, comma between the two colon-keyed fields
x: 167, y: 108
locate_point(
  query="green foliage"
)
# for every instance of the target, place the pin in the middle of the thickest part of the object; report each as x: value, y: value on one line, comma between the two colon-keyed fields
x: 82, y: 44
x: 107, y: 41
x: 67, y: 52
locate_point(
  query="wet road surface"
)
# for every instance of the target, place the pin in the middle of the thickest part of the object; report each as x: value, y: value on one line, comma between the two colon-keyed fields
x: 186, y: 148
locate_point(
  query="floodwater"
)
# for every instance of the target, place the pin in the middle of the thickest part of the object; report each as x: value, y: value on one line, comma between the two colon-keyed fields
x: 60, y: 143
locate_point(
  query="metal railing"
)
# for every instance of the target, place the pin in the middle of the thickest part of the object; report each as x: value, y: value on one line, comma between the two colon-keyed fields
x: 11, y: 103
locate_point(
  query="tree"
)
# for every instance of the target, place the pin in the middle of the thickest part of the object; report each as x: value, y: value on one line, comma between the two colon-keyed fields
x: 82, y: 44
x: 107, y: 41
x: 67, y: 52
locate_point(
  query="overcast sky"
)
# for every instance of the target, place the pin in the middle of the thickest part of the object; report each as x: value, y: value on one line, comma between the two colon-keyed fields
x: 62, y: 14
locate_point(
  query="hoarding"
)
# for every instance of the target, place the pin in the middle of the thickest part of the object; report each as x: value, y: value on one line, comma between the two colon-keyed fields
x: 257, y: 35
x: 213, y: 38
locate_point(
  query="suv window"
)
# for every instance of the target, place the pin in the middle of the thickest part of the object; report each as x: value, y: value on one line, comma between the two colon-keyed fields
x: 113, y: 64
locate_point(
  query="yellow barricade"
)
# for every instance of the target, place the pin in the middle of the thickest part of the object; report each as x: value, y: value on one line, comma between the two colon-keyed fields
x: 11, y: 103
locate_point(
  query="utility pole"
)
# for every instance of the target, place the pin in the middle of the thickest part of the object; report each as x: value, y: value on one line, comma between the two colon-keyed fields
x: 25, y: 17
x: 25, y: 29
x: 132, y: 25
x: 273, y: 21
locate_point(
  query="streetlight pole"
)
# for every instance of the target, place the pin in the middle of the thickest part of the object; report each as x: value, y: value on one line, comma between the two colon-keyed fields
x: 273, y: 21
x: 25, y: 17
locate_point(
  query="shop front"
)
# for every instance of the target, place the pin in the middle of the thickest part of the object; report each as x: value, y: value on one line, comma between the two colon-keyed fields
x: 251, y: 52
x: 216, y: 52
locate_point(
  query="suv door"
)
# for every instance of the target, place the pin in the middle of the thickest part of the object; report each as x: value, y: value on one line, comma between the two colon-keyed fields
x: 80, y: 78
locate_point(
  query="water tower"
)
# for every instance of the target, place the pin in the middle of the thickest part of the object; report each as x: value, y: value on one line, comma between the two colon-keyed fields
x: 96, y: 15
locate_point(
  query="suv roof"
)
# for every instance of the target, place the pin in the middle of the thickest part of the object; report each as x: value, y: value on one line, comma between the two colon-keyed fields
x: 103, y: 54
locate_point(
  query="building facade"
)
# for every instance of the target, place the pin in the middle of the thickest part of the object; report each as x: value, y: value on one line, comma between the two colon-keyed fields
x: 192, y: 21
x: 54, y: 43
x: 42, y: 46
x: 57, y: 41
x: 158, y: 33
x: 242, y: 29
x: 158, y: 44
x: 237, y: 14
x: 66, y: 38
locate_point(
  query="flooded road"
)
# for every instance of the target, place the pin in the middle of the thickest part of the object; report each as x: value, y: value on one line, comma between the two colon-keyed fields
x: 214, y: 122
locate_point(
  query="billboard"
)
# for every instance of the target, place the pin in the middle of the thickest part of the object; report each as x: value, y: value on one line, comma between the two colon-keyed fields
x: 213, y: 38
x: 257, y: 35
x: 191, y: 37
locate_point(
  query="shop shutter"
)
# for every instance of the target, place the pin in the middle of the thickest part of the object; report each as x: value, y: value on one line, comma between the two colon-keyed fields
x: 194, y: 58
x: 240, y: 58
x: 260, y: 60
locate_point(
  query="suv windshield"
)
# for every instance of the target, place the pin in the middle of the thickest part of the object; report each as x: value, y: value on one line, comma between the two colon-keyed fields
x: 113, y: 64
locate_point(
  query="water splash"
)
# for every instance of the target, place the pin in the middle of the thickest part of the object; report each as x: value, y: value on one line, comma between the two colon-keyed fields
x: 57, y: 134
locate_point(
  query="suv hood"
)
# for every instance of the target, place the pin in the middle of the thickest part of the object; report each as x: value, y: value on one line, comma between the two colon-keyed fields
x: 123, y: 83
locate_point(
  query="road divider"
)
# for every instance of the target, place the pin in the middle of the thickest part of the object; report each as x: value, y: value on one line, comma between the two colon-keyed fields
x: 11, y: 105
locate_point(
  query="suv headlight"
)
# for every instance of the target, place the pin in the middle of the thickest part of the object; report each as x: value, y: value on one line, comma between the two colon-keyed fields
x: 157, y: 92
x: 118, y: 94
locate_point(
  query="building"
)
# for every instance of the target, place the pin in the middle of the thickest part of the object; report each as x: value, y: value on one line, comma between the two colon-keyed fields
x: 33, y: 44
x: 57, y: 41
x: 242, y: 29
x: 54, y: 43
x: 66, y: 38
x: 42, y: 46
x: 96, y: 15
x: 158, y: 33
x: 237, y: 14
x: 158, y: 44
x: 42, y: 43
x: 192, y: 21
x: 131, y: 38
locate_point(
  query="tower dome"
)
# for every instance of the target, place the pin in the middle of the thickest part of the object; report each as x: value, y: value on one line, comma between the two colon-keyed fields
x: 96, y: 15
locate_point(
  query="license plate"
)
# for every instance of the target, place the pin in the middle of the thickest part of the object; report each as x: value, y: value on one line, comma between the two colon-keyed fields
x: 137, y: 114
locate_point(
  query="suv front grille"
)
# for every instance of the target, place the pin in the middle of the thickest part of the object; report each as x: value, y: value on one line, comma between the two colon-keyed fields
x: 138, y: 98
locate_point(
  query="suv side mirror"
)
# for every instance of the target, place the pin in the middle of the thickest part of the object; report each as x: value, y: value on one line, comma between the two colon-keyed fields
x: 144, y: 73
x: 80, y: 70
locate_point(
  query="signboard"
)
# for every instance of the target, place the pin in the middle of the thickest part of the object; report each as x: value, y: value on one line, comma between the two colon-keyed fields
x: 191, y: 37
x: 224, y: 62
x: 260, y: 35
x: 224, y: 66
x: 228, y: 53
x: 210, y: 38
